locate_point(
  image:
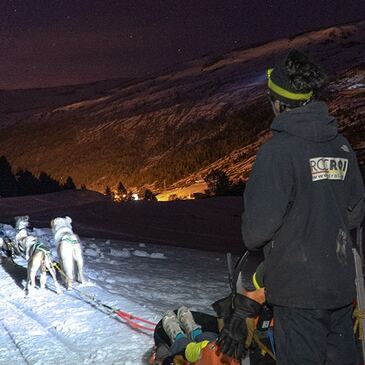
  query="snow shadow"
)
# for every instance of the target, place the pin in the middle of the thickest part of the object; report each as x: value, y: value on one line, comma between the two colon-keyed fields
x: 16, y: 272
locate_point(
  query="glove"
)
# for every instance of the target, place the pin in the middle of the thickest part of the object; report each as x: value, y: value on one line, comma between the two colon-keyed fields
x: 223, y: 307
x: 232, y: 339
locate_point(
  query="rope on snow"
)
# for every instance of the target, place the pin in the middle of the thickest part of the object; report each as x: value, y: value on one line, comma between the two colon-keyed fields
x: 133, y: 321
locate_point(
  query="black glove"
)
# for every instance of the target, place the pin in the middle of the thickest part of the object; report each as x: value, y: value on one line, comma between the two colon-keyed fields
x: 223, y: 307
x: 234, y: 333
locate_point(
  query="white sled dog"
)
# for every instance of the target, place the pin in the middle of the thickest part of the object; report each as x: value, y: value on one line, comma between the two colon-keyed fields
x: 36, y: 253
x: 69, y: 249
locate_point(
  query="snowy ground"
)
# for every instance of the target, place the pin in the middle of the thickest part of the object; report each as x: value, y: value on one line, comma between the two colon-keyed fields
x: 144, y: 280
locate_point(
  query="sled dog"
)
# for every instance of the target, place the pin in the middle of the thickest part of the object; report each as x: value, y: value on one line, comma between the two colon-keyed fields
x: 6, y: 247
x: 35, y: 252
x: 23, y: 240
x: 40, y: 258
x: 69, y: 249
x: 6, y: 242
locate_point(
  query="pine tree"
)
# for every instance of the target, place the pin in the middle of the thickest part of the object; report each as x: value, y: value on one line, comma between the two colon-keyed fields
x: 48, y: 184
x: 237, y: 188
x: 218, y: 183
x: 8, y: 183
x: 27, y: 183
x: 107, y: 191
x: 121, y: 189
x: 121, y: 194
x: 69, y: 184
x: 149, y: 195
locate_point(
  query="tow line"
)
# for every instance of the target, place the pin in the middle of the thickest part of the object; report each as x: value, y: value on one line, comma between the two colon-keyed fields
x: 133, y: 321
x: 137, y: 323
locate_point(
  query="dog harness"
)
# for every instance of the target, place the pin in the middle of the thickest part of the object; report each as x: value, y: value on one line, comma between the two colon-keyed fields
x: 70, y: 238
x: 39, y: 246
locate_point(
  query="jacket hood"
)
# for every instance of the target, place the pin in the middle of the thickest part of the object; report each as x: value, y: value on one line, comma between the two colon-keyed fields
x: 310, y: 122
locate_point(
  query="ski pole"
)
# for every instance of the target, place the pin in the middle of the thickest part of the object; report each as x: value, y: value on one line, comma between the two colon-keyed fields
x: 360, y: 290
x: 230, y: 271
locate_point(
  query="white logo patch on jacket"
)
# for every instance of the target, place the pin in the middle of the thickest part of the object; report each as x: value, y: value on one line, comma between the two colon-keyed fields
x: 331, y: 168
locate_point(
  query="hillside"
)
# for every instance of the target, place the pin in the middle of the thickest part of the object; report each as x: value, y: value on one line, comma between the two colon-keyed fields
x: 346, y: 99
x: 168, y: 131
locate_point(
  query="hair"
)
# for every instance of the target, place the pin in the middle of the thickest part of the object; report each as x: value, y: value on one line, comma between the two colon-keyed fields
x: 303, y: 75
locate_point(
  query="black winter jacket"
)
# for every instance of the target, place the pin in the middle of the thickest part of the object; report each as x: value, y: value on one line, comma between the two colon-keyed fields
x: 304, y: 194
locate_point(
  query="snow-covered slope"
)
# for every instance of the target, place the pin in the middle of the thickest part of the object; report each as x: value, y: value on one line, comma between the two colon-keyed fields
x: 168, y: 127
x: 143, y: 280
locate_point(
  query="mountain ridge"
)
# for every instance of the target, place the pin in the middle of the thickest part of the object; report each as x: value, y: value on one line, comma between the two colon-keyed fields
x: 156, y: 132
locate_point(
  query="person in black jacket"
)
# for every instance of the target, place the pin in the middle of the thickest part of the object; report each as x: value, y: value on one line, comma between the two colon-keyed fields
x: 304, y: 195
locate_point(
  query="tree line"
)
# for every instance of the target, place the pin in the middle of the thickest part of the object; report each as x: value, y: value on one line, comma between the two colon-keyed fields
x: 121, y: 194
x: 23, y: 182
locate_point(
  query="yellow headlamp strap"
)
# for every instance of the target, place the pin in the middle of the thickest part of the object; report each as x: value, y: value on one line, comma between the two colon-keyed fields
x: 285, y: 93
x: 255, y: 282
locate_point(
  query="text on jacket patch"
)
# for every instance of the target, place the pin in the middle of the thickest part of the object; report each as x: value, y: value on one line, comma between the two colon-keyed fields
x: 331, y: 168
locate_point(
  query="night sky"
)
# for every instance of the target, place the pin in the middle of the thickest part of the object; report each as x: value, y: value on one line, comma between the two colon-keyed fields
x: 57, y: 42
